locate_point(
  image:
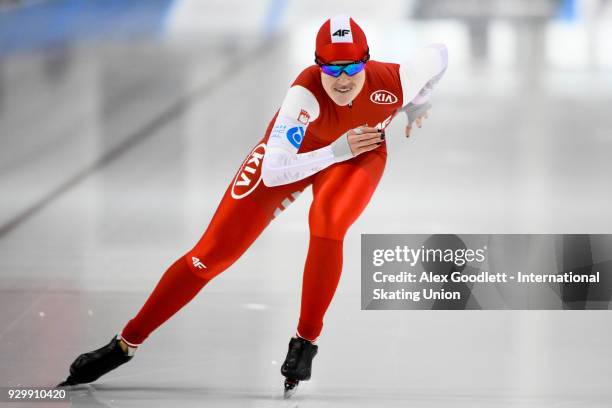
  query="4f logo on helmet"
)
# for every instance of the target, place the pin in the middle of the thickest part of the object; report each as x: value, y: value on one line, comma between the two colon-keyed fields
x: 341, y: 32
x: 295, y: 135
x: 383, y: 97
x: 249, y: 175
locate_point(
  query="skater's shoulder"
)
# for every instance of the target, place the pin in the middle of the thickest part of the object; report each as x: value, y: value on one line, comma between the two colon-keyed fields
x: 305, y: 95
x: 300, y: 103
x: 382, y: 68
x: 308, y: 75
x: 310, y: 78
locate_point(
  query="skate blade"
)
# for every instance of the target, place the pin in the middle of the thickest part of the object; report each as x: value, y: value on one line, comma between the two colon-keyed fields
x: 290, y: 388
x: 66, y: 383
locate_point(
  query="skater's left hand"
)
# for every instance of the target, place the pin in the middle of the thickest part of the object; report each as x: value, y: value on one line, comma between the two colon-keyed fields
x: 418, y: 122
x: 416, y: 114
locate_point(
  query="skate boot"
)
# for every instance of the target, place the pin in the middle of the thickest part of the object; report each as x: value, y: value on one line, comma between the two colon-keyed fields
x: 298, y: 364
x: 90, y: 366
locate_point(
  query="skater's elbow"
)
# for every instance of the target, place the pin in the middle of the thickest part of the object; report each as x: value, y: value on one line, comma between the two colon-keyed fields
x: 419, y: 76
x: 269, y: 179
x: 270, y: 173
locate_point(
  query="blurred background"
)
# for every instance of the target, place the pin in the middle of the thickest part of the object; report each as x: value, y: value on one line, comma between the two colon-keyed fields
x: 122, y: 123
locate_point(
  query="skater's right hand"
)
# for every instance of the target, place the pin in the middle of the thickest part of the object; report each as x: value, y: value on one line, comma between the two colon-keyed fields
x: 363, y: 139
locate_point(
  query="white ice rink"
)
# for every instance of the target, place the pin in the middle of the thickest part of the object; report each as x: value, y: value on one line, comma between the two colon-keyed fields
x: 115, y: 153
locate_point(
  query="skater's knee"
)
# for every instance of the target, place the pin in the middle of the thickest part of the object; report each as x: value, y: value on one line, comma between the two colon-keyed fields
x: 200, y: 265
x: 208, y: 261
x: 328, y: 226
x: 327, y: 221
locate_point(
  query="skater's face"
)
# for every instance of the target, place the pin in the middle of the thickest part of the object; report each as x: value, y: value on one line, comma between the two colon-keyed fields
x: 343, y: 89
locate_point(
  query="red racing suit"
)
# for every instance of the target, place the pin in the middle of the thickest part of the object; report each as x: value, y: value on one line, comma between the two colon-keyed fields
x: 304, y: 145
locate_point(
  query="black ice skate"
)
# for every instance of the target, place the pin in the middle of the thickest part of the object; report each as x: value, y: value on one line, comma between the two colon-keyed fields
x: 90, y: 366
x: 298, y: 364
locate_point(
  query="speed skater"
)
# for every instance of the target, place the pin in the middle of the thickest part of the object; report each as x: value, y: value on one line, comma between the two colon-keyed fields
x: 329, y: 133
